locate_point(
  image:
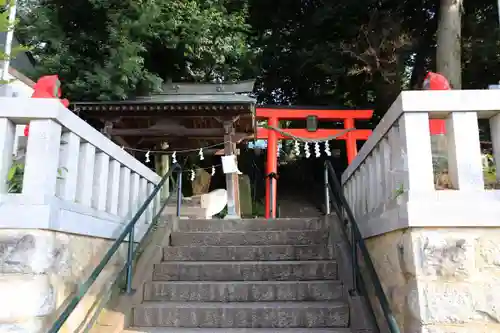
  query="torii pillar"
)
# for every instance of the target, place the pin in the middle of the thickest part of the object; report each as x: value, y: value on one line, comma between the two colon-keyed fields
x: 271, y: 167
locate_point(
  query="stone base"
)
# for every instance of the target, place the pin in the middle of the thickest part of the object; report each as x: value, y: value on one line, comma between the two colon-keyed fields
x: 41, y: 269
x: 444, y: 280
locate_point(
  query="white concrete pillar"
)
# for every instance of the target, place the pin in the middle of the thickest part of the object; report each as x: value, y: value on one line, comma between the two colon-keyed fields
x: 68, y: 180
x: 42, y: 158
x: 86, y: 167
x: 464, y: 151
x: 100, y: 188
x: 113, y: 187
x: 124, y: 197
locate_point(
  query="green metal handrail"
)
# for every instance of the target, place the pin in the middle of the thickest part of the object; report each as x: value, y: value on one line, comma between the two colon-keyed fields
x: 128, y: 231
x: 341, y: 205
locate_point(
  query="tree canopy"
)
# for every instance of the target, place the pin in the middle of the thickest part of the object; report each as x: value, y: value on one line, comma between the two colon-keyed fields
x: 307, y: 52
x: 105, y: 49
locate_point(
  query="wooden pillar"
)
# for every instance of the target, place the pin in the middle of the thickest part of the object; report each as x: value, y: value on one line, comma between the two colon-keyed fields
x: 232, y: 183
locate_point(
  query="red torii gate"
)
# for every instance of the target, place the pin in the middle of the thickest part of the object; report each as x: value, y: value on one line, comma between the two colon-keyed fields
x: 273, y: 115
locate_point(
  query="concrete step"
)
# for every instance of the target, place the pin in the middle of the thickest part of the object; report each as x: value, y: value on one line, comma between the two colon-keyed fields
x: 186, y: 211
x: 243, y: 291
x: 244, y: 253
x: 289, y: 237
x: 252, y: 224
x: 245, y: 270
x: 241, y: 315
x: 234, y: 330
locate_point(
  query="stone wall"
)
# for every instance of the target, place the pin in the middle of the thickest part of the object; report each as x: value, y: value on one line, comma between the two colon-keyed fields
x: 440, y: 280
x: 40, y: 269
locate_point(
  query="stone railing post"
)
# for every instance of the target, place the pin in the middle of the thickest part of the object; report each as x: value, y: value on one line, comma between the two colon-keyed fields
x: 42, y: 158
x: 464, y: 151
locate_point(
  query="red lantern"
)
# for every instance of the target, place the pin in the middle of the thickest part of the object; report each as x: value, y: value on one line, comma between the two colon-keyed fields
x: 435, y: 81
x: 47, y: 86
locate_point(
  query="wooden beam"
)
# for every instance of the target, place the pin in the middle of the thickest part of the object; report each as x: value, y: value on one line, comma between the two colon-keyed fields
x: 291, y: 113
x: 170, y: 114
x: 358, y: 134
x: 238, y: 137
x: 189, y: 132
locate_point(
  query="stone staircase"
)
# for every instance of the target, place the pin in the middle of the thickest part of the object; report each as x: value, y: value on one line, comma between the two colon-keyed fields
x: 232, y: 276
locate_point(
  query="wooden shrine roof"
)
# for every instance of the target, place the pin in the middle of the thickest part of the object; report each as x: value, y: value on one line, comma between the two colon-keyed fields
x: 180, y: 99
x: 185, y: 115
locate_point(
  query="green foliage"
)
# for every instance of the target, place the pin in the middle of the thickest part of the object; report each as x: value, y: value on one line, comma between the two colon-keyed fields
x: 221, y: 214
x: 16, y: 174
x: 362, y: 53
x: 109, y: 49
x: 400, y: 190
x: 15, y: 177
x: 490, y: 172
x: 318, y: 52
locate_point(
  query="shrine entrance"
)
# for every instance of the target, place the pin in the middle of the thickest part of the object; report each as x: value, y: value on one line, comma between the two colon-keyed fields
x: 272, y: 134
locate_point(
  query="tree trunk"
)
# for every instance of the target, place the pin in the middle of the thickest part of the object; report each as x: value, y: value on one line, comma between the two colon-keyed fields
x: 448, y: 56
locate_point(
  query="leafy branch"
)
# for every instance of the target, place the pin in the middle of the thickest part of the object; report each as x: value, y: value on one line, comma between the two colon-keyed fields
x: 16, y: 175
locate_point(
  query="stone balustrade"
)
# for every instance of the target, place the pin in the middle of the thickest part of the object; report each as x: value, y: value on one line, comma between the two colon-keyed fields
x: 75, y: 179
x: 435, y: 248
x: 79, y: 190
x: 395, y: 175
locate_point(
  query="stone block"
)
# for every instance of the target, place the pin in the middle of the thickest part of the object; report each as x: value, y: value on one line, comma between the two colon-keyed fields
x: 17, y: 289
x: 488, y: 250
x: 201, y: 182
x: 40, y: 269
x: 440, y: 280
x: 446, y: 303
x: 444, y: 254
x: 25, y: 326
x: 487, y: 302
x: 27, y: 251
